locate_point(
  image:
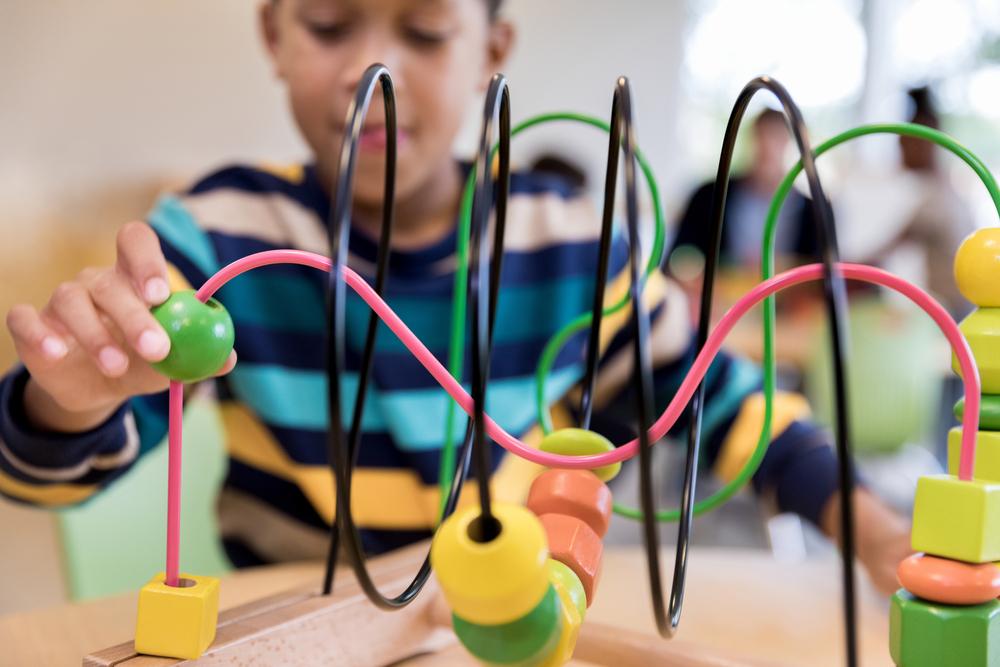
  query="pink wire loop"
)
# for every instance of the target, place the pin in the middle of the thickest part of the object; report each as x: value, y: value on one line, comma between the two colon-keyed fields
x: 659, y: 428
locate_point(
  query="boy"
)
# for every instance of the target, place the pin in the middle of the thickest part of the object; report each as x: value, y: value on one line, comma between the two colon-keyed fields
x: 86, y: 403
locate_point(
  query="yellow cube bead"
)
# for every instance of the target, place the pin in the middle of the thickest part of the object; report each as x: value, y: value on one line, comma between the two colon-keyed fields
x: 177, y: 621
x: 493, y: 582
x: 987, y: 467
x: 579, y: 442
x: 977, y: 267
x: 957, y: 519
x: 982, y: 330
x: 571, y: 622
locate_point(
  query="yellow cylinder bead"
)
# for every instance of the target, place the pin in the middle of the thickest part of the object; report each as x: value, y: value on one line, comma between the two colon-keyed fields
x: 578, y: 442
x: 560, y: 574
x: 571, y: 622
x: 977, y: 268
x: 497, y: 581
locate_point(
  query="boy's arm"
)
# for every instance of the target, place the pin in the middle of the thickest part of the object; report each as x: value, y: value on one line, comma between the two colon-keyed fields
x: 50, y: 456
x: 799, y: 470
x: 52, y: 469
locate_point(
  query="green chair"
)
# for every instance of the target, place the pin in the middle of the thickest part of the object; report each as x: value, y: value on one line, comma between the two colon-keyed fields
x: 117, y: 541
x: 894, y: 386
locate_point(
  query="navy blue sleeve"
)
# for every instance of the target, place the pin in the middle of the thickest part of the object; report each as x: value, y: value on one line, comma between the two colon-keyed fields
x: 57, y: 469
x: 800, y: 466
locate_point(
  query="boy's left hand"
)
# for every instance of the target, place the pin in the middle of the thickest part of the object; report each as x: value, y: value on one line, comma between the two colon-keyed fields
x: 882, y: 537
x: 882, y: 552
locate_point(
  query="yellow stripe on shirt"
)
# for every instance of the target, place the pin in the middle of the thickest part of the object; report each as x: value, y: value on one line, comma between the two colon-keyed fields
x: 383, y: 498
x: 50, y: 495
x: 742, y: 438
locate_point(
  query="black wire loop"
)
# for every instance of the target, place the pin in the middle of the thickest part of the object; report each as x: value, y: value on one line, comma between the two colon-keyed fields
x: 834, y: 293
x: 603, y: 259
x: 485, y: 275
x: 343, y: 458
x: 642, y: 375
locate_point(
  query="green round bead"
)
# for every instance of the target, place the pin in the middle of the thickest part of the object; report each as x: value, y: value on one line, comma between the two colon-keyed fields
x: 578, y: 442
x: 989, y: 412
x: 514, y: 642
x: 201, y: 336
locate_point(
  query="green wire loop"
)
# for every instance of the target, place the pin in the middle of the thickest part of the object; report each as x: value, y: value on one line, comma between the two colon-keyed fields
x: 555, y: 344
x: 767, y: 271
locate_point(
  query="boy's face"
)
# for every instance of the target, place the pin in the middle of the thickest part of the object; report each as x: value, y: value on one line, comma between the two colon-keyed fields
x: 441, y: 54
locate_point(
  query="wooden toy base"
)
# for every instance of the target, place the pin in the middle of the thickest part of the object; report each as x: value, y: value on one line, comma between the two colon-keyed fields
x: 301, y: 627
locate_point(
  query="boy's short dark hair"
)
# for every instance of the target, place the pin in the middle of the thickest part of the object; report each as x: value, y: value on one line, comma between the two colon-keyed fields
x: 492, y: 5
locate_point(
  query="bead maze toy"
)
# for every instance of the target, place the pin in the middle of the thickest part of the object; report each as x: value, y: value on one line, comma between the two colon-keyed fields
x: 517, y: 580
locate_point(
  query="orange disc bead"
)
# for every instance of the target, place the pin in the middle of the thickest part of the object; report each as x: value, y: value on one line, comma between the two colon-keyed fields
x: 574, y: 492
x: 949, y: 581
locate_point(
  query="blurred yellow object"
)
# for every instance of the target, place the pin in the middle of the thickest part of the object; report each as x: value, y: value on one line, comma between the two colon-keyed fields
x: 177, y: 621
x: 741, y: 441
x: 492, y: 582
x: 977, y: 268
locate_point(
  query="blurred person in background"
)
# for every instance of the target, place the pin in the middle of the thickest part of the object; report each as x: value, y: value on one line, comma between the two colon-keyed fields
x: 940, y: 219
x: 747, y: 202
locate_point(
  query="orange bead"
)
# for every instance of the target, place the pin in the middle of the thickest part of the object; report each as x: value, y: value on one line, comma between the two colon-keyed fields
x: 949, y: 581
x: 575, y: 544
x: 573, y: 492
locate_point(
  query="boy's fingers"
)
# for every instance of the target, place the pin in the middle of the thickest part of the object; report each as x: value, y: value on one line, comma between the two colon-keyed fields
x: 228, y: 366
x: 115, y: 297
x: 141, y: 259
x: 72, y: 306
x: 35, y: 341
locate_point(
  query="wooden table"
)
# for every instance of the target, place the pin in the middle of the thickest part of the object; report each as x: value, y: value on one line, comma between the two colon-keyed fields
x: 741, y: 602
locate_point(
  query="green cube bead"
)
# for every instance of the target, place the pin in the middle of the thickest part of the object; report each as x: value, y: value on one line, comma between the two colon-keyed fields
x: 957, y: 519
x: 515, y: 642
x: 982, y: 330
x: 926, y: 634
x: 987, y: 468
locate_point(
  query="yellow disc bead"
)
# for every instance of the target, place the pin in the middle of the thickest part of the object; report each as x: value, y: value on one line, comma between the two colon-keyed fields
x: 578, y: 442
x: 977, y: 268
x: 497, y: 581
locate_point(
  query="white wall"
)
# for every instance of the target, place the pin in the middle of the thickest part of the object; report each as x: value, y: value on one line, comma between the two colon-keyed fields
x: 568, y: 57
x: 113, y: 91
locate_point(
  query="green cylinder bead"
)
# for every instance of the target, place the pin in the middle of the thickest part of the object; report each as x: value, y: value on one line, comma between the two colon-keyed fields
x: 989, y: 412
x: 201, y: 336
x: 511, y: 644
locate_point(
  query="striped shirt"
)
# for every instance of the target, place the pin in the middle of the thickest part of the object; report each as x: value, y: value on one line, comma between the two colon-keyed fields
x: 277, y: 500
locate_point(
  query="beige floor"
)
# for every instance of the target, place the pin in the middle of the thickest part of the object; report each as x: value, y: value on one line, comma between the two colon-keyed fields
x: 30, y: 574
